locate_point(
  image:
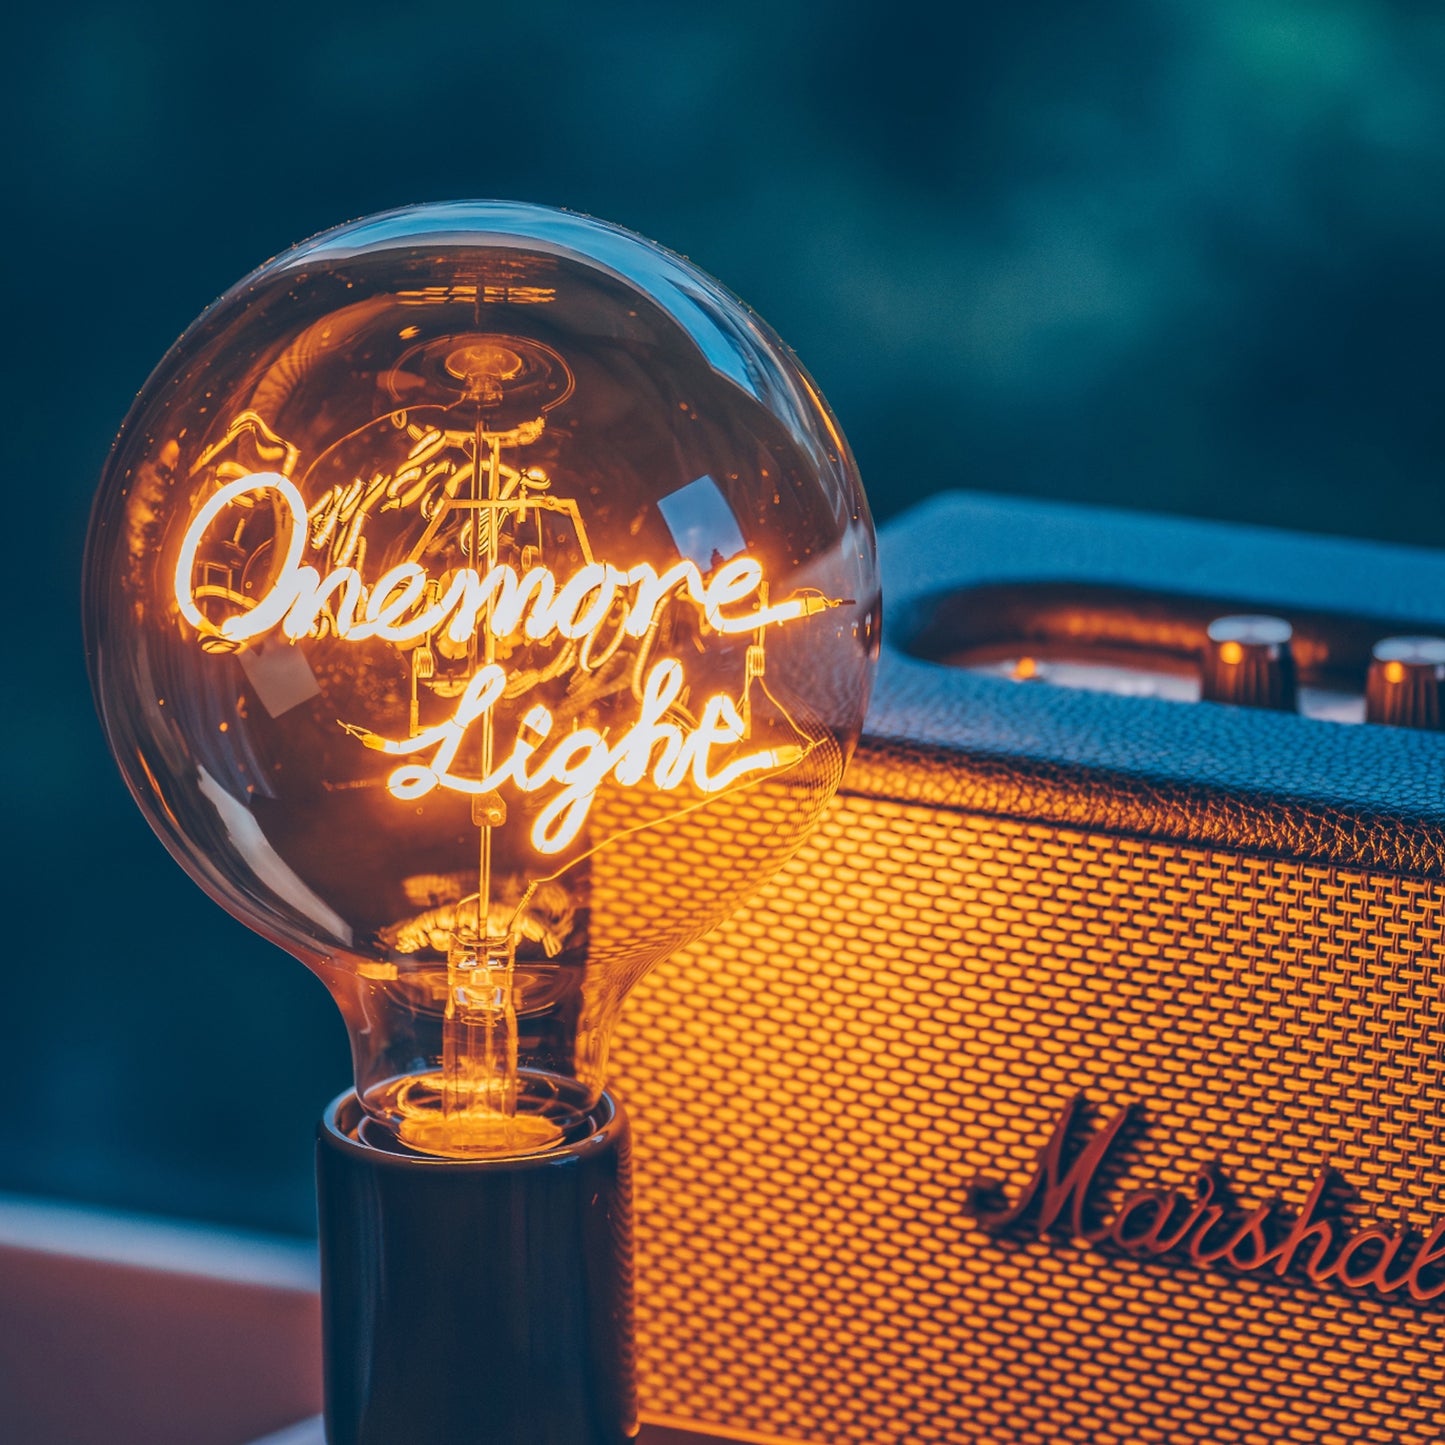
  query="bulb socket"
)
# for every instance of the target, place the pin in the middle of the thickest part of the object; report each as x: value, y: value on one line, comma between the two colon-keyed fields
x: 476, y: 1301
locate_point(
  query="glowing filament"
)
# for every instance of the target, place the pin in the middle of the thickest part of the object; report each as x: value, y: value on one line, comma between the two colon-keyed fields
x: 405, y: 606
x: 581, y: 762
x: 394, y: 609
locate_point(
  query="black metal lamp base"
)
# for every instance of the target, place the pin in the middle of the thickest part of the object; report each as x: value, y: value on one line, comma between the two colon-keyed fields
x: 476, y: 1303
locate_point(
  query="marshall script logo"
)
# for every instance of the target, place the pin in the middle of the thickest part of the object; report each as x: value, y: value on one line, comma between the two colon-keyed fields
x: 1204, y: 1226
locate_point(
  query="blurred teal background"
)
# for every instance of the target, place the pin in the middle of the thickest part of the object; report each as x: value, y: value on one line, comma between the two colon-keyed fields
x: 1166, y: 255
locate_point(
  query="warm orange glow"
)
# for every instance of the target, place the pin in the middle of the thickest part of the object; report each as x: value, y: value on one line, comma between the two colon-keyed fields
x: 580, y: 763
x: 406, y: 607
x: 445, y: 583
x: 534, y: 605
x: 256, y: 568
x: 1231, y: 653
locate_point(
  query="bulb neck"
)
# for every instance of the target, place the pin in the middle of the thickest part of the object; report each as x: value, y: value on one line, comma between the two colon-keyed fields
x: 476, y: 1300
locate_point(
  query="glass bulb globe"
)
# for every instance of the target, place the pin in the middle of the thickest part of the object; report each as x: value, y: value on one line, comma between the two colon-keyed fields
x: 448, y: 570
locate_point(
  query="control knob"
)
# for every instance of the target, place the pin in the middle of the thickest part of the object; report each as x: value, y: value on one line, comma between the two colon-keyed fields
x: 1248, y: 661
x: 1406, y: 683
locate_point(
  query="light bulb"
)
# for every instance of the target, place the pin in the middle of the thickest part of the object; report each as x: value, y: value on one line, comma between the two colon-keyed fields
x: 450, y: 568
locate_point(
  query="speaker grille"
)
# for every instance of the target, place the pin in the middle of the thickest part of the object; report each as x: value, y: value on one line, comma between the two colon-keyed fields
x: 909, y: 1005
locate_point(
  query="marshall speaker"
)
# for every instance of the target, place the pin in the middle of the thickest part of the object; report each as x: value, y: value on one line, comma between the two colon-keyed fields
x: 1083, y: 1079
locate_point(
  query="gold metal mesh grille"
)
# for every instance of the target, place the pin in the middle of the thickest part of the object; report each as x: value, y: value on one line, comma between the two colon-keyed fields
x: 910, y: 1005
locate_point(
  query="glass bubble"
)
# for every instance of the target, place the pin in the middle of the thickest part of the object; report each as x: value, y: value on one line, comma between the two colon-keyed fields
x: 449, y: 569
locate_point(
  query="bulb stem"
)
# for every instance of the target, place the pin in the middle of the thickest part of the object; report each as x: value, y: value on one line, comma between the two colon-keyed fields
x: 479, y: 1043
x: 480, y: 1055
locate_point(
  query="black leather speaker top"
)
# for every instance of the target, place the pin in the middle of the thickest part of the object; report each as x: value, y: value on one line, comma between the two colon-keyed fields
x: 1274, y: 783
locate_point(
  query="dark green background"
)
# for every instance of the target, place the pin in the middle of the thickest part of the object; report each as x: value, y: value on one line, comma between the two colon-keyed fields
x: 1181, y: 256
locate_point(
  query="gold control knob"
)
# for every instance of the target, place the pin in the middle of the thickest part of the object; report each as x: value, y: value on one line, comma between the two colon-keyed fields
x: 1406, y: 683
x: 1248, y: 661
